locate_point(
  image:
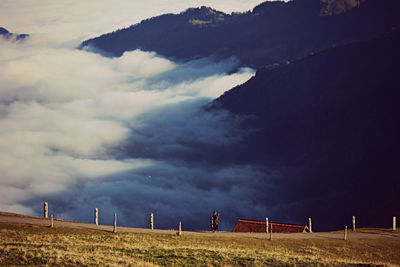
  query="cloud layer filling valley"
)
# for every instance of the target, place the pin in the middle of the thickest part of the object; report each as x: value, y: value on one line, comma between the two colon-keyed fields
x: 127, y: 135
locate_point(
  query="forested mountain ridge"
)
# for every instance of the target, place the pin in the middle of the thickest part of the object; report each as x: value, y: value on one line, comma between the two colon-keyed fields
x: 271, y: 32
x: 329, y: 124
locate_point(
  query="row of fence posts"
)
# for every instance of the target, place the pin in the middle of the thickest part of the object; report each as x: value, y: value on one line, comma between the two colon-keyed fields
x: 268, y: 227
x: 96, y: 219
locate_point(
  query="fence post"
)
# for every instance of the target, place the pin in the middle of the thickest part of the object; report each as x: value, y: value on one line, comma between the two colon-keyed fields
x: 96, y: 216
x: 394, y: 223
x: 46, y: 210
x: 179, y: 229
x: 151, y: 221
x: 354, y: 223
x: 115, y: 222
x: 309, y: 225
x: 266, y: 224
x: 52, y: 221
x: 345, y: 233
x: 270, y: 233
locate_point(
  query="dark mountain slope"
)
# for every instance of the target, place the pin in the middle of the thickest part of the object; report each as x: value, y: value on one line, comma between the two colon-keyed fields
x: 330, y: 124
x: 3, y: 31
x: 272, y: 32
x: 6, y: 34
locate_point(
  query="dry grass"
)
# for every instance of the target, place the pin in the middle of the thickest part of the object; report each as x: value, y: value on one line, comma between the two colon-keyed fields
x: 36, y: 245
x: 2, y: 213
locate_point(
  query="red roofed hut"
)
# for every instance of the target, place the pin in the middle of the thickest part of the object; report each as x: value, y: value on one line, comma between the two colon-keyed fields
x: 259, y: 227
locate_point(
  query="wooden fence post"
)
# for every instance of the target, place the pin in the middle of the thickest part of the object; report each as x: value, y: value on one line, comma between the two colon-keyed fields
x: 96, y: 216
x: 270, y: 233
x: 309, y: 225
x: 394, y: 223
x: 345, y: 233
x: 52, y: 221
x: 266, y: 224
x: 151, y: 221
x: 179, y: 229
x: 46, y: 210
x: 115, y: 222
x: 354, y: 223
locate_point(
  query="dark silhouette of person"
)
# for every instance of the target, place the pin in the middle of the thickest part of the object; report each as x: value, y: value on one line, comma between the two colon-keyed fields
x: 214, y: 221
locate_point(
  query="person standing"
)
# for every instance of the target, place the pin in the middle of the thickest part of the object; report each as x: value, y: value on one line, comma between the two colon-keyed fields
x: 214, y: 221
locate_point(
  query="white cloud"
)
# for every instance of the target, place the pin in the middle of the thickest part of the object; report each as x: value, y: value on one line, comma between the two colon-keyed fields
x: 142, y: 64
x: 62, y: 110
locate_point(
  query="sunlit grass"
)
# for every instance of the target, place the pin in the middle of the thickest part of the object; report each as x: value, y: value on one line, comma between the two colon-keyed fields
x: 36, y: 245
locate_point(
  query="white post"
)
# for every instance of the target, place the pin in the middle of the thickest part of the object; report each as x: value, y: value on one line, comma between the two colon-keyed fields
x: 266, y: 224
x: 96, y: 216
x: 151, y: 221
x: 394, y: 223
x: 52, y: 221
x: 354, y: 223
x: 180, y: 229
x: 345, y: 233
x: 115, y: 222
x: 309, y: 225
x: 46, y: 210
x: 270, y: 233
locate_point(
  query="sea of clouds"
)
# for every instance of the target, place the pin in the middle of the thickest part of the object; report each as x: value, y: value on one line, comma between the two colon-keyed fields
x: 127, y: 135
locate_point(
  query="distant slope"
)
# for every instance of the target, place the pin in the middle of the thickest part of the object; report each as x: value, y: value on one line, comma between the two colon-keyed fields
x: 330, y: 125
x: 8, y: 35
x: 272, y: 32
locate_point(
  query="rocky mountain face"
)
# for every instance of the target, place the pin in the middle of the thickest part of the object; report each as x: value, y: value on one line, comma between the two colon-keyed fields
x: 8, y: 35
x: 271, y: 32
x: 330, y: 125
x: 334, y: 7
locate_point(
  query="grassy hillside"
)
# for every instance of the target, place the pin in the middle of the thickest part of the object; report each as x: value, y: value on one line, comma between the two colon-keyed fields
x: 34, y: 245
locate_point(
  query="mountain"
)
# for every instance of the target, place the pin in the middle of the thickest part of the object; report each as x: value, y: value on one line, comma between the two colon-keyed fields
x: 8, y: 35
x: 271, y: 32
x: 3, y: 31
x: 334, y: 7
x: 329, y: 124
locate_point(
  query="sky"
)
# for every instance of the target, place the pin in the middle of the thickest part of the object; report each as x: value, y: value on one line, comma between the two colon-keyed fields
x: 126, y: 135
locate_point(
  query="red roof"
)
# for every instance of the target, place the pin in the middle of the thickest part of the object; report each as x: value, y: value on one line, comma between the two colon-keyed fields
x: 259, y: 227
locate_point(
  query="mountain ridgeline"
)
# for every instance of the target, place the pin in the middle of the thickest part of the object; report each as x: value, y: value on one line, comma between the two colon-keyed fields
x: 8, y: 35
x: 330, y: 125
x: 271, y: 32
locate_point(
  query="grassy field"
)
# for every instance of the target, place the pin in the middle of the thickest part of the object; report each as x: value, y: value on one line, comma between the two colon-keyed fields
x: 38, y: 245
